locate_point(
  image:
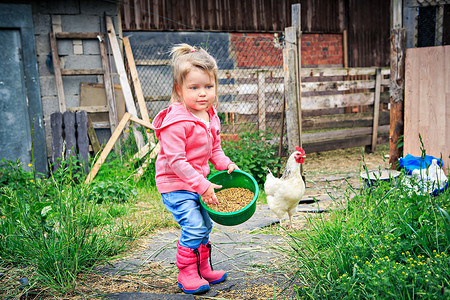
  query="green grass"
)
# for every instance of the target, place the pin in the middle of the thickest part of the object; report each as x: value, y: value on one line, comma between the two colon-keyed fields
x: 388, y: 243
x: 54, y: 229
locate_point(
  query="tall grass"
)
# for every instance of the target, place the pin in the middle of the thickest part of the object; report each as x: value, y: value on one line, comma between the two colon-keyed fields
x: 388, y: 243
x: 53, y: 228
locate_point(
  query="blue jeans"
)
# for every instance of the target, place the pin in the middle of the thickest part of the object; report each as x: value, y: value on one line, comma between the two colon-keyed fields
x: 193, y: 218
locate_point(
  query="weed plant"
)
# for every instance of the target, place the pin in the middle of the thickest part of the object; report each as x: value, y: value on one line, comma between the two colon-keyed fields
x: 389, y: 242
x: 53, y: 228
x: 252, y: 152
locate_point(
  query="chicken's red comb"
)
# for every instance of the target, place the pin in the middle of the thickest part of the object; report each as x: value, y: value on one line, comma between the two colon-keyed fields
x: 300, y: 149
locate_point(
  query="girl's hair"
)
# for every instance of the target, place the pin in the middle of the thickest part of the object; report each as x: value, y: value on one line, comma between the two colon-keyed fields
x: 184, y: 58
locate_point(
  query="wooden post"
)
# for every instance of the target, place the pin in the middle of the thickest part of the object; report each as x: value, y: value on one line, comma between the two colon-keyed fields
x: 109, y: 93
x: 57, y: 69
x: 345, y: 46
x: 261, y: 101
x: 93, y: 137
x: 69, y: 133
x: 57, y: 139
x: 296, y: 23
x: 290, y: 86
x: 137, y: 85
x: 120, y: 66
x: 397, y: 87
x: 82, y: 138
x: 376, y: 109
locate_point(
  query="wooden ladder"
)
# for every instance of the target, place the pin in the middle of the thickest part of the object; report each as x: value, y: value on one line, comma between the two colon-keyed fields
x: 110, y: 108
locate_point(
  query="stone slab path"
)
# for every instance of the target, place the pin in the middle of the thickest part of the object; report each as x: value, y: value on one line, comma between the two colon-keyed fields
x: 254, y: 262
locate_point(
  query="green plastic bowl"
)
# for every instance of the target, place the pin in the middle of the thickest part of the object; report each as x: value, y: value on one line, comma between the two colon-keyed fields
x: 237, y: 179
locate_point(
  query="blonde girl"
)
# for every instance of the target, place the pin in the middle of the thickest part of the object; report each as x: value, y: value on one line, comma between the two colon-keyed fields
x: 189, y: 135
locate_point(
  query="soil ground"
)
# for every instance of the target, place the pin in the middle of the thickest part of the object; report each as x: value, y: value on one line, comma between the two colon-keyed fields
x: 256, y: 270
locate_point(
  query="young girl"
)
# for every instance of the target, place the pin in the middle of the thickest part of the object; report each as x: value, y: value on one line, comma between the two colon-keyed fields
x: 189, y: 135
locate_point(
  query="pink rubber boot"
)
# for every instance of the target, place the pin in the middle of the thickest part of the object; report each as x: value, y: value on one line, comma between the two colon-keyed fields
x: 188, y: 263
x: 206, y: 269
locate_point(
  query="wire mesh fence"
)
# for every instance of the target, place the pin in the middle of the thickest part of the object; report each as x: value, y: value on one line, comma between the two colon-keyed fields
x: 251, y: 80
x: 432, y: 23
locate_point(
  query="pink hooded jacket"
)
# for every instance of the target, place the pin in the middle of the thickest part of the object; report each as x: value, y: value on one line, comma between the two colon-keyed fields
x: 186, y: 147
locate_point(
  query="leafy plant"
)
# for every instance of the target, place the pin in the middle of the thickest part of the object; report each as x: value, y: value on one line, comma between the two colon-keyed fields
x: 252, y: 152
x: 388, y: 242
x: 112, y: 190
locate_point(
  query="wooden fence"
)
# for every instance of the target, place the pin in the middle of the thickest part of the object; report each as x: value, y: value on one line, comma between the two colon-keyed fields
x: 255, y: 97
x: 325, y: 95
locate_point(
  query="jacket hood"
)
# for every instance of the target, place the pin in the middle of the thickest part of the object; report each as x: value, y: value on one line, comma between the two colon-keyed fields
x: 176, y: 113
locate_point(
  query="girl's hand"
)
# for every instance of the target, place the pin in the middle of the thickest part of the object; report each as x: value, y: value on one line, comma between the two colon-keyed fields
x: 209, y: 197
x: 232, y: 167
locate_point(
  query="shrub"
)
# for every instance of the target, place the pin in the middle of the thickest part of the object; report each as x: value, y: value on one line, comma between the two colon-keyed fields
x: 252, y: 152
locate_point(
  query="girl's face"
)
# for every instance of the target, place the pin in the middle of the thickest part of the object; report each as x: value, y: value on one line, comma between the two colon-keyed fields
x: 198, y: 90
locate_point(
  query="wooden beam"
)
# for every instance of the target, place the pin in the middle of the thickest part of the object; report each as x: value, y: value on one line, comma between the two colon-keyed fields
x: 93, y: 137
x: 90, y: 109
x: 376, y: 110
x: 397, y: 87
x: 109, y: 145
x: 144, y: 123
x: 77, y: 35
x: 111, y: 102
x: 57, y: 70
x: 291, y: 88
x: 261, y: 102
x: 341, y: 133
x: 120, y: 66
x: 76, y: 72
x: 144, y: 166
x: 137, y: 85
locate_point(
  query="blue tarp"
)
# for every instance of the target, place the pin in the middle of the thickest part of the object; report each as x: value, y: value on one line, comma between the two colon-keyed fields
x: 411, y: 162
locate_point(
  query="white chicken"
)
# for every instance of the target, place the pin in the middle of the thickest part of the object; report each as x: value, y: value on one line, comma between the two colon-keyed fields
x: 284, y: 194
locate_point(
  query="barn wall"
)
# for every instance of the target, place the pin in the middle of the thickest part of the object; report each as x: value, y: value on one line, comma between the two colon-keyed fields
x: 367, y: 22
x: 70, y: 16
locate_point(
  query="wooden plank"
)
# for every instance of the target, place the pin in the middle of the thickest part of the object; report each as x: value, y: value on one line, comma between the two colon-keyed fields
x: 290, y: 67
x: 345, y: 47
x: 76, y: 72
x: 346, y: 85
x: 354, y: 141
x: 77, y: 35
x: 144, y: 123
x: 343, y: 121
x: 128, y: 96
x: 90, y: 109
x: 427, y: 102
x: 330, y: 101
x: 341, y: 133
x: 57, y: 69
x: 56, y: 123
x: 108, y: 147
x: 325, y: 72
x: 114, y: 101
x: 412, y: 101
x: 137, y: 85
x: 261, y: 102
x: 93, y: 137
x: 82, y: 139
x: 140, y: 171
x: 69, y: 133
x: 152, y: 62
x: 376, y: 110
